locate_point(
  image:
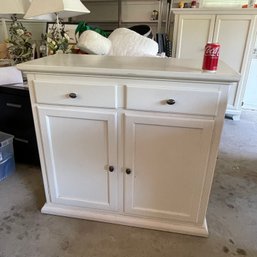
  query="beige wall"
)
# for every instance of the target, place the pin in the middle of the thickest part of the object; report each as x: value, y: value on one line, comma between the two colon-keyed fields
x: 36, y: 28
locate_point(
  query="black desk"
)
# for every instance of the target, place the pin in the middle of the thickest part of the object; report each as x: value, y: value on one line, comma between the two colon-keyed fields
x: 16, y: 119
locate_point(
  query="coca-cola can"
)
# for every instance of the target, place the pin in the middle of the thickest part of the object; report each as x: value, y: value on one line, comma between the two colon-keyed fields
x: 211, y: 57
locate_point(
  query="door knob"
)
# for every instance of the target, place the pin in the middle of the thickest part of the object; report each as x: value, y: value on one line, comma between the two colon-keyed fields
x: 72, y: 95
x: 111, y: 168
x: 170, y: 101
x: 128, y: 171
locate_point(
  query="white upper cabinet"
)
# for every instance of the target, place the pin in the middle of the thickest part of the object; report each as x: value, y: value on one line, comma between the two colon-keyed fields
x: 233, y: 30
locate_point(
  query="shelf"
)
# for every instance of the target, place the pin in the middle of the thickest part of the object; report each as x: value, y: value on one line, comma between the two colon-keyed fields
x: 142, y: 21
x: 101, y: 21
x: 99, y: 1
x: 125, y: 12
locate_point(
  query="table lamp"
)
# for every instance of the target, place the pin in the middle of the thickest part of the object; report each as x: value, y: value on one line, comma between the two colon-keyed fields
x: 9, y: 8
x: 55, y: 9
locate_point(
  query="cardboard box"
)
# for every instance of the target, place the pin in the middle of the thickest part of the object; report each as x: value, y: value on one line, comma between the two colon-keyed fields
x: 10, y: 75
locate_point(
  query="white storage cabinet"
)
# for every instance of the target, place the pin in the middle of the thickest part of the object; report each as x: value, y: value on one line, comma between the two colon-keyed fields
x: 119, y: 143
x: 234, y: 30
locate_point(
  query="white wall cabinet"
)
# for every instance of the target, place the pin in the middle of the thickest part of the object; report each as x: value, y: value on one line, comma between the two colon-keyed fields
x: 121, y: 141
x: 234, y: 30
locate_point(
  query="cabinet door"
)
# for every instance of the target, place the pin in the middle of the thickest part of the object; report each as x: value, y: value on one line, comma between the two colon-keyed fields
x: 168, y: 161
x: 193, y: 32
x: 235, y: 35
x: 79, y: 148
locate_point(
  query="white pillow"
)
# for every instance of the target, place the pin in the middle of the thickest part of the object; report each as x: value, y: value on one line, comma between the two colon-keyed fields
x: 126, y: 42
x: 93, y: 43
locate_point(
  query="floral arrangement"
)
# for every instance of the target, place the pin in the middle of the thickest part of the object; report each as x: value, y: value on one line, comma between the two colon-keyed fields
x: 58, y: 39
x: 20, y: 42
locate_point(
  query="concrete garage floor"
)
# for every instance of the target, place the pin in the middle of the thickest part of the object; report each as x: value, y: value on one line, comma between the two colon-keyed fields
x: 232, y: 214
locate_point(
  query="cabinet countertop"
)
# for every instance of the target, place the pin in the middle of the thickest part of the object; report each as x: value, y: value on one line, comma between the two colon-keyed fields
x: 144, y: 67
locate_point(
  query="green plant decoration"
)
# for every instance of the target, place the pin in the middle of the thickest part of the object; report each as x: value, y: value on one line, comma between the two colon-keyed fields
x: 20, y: 42
x: 58, y: 39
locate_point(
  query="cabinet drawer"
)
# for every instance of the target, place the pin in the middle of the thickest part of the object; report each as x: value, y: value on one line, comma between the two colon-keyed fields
x: 91, y: 95
x: 15, y: 112
x: 173, y: 99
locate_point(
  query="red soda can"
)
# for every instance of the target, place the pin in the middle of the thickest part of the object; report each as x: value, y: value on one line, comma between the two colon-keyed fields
x: 211, y: 57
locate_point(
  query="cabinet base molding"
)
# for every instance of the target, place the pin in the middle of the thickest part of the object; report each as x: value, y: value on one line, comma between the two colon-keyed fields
x: 163, y: 225
x: 233, y: 114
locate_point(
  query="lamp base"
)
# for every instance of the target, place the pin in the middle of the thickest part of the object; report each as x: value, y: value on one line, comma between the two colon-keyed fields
x: 3, y: 51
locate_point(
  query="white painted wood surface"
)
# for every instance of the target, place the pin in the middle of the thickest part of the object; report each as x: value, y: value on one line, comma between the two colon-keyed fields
x: 168, y: 160
x: 128, y: 66
x: 80, y: 146
x: 192, y: 30
x: 189, y: 98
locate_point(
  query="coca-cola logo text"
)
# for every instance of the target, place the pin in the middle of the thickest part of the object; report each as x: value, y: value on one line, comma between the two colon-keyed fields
x: 212, y: 51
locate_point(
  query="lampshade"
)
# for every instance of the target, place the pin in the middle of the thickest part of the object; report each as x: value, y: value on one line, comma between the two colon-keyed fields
x: 10, y: 7
x: 64, y: 8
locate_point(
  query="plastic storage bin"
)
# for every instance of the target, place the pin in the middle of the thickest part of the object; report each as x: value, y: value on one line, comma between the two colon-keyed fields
x: 7, y: 163
x: 143, y: 30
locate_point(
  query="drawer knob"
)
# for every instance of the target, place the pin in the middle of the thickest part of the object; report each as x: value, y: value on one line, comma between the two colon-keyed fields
x: 128, y: 171
x: 170, y: 101
x: 72, y: 95
x: 111, y: 168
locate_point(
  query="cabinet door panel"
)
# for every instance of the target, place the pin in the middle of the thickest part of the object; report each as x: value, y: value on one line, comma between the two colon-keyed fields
x: 168, y: 158
x: 234, y: 33
x: 79, y: 147
x: 193, y: 33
